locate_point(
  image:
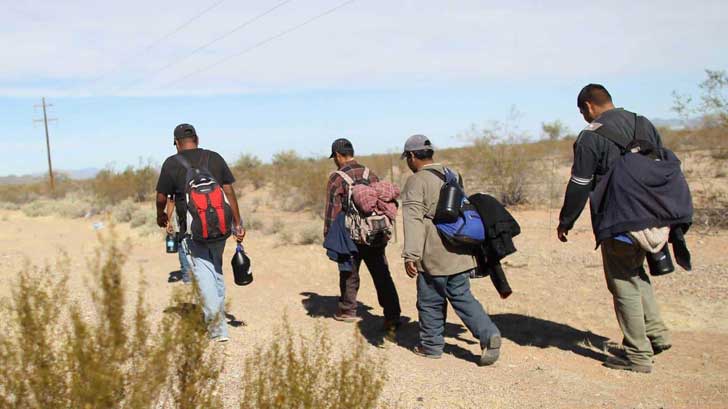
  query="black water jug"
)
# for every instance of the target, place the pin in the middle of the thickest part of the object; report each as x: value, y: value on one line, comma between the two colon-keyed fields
x: 449, y: 204
x: 241, y: 267
x: 660, y: 263
x: 171, y: 243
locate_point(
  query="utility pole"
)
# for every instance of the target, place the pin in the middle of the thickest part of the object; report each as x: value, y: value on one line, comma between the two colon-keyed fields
x: 48, y: 143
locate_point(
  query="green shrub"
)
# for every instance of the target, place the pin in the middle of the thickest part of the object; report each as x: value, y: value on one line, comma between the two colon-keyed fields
x: 249, y: 170
x: 294, y: 371
x: 55, y: 356
x: 137, y: 184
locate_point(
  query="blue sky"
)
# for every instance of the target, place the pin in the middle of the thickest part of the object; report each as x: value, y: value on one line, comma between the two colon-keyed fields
x: 373, y: 71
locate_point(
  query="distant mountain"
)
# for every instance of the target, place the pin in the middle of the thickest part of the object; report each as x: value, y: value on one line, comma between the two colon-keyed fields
x: 674, y: 123
x: 76, y: 174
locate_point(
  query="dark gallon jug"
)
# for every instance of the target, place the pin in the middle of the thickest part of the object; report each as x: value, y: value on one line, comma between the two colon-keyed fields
x: 241, y: 267
x: 449, y: 204
x: 170, y: 243
x: 660, y: 263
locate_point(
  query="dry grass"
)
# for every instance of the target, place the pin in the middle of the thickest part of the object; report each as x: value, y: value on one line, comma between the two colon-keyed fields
x: 294, y: 371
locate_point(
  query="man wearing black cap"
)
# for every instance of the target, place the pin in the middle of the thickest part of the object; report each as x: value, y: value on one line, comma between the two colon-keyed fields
x: 206, y: 256
x: 342, y: 152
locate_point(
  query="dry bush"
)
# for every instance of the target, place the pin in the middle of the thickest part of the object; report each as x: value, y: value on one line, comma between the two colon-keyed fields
x: 294, y: 371
x: 300, y: 183
x: 57, y: 356
x: 27, y: 192
x: 249, y: 170
x: 137, y: 184
x: 71, y: 206
x: 310, y: 235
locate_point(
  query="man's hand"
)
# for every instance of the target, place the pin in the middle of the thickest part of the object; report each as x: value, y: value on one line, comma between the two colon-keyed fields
x: 411, y: 268
x: 162, y: 219
x: 239, y: 233
x: 561, y: 233
x: 170, y: 228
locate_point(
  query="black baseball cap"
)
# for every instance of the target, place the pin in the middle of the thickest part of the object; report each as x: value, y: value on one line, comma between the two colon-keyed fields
x: 182, y: 131
x: 342, y: 146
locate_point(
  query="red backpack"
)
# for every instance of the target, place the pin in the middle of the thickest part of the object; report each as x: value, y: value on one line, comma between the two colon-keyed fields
x: 209, y: 216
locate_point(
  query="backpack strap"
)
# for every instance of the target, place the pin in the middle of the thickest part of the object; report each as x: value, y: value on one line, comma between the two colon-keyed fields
x: 346, y: 177
x: 617, y: 137
x: 365, y: 175
x: 183, y: 161
x: 443, y: 177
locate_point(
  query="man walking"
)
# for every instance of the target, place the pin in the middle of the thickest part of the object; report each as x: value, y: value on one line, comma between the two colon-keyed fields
x: 342, y: 152
x: 206, y: 255
x: 443, y: 273
x: 645, y: 334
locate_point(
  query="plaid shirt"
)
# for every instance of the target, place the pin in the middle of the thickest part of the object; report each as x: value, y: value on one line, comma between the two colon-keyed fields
x: 337, y: 193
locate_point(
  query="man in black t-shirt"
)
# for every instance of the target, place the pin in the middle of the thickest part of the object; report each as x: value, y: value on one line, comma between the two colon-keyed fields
x: 645, y: 333
x: 206, y: 258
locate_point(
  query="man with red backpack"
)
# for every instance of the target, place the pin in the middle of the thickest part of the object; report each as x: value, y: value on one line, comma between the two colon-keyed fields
x: 339, y: 200
x: 207, y: 209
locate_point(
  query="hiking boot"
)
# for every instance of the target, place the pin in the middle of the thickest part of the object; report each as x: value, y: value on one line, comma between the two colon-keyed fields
x: 420, y: 351
x: 658, y: 349
x: 617, y: 363
x: 491, y: 351
x: 340, y: 316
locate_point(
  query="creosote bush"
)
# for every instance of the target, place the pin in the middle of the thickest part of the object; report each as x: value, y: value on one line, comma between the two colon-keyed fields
x: 56, y: 354
x: 137, y: 184
x: 295, y: 371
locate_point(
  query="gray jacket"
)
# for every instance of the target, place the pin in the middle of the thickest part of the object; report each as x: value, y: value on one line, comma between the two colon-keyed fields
x: 422, y: 242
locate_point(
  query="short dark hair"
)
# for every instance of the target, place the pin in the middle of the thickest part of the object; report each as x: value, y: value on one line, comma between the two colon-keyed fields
x: 423, y: 154
x: 594, y: 93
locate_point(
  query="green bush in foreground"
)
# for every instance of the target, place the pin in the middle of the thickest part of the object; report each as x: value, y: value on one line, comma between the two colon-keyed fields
x: 55, y: 354
x: 293, y: 371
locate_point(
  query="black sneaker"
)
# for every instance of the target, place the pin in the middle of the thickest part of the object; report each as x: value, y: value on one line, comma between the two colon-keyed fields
x: 491, y: 352
x: 613, y: 362
x: 390, y: 328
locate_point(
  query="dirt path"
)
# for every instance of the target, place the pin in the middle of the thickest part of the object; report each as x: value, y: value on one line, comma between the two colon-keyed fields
x: 553, y: 325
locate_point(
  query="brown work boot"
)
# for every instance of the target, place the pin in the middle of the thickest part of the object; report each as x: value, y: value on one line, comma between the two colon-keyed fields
x: 613, y: 362
x: 420, y: 351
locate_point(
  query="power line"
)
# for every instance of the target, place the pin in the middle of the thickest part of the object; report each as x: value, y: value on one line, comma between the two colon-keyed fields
x: 225, y: 35
x: 159, y: 40
x: 261, y: 43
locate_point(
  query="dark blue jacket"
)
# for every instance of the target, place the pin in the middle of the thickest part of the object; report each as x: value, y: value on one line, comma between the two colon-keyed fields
x: 339, y: 245
x: 639, y: 192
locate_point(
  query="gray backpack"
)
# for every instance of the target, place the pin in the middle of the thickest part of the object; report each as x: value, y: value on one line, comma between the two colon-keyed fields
x: 374, y: 230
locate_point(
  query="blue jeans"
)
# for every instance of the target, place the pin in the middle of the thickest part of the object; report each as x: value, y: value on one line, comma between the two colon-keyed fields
x: 184, y: 262
x: 433, y: 293
x: 206, y: 260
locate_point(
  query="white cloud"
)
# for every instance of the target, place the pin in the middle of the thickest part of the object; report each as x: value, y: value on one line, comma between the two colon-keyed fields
x: 59, y: 48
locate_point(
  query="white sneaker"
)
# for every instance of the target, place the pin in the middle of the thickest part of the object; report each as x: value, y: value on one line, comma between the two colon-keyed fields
x: 221, y: 339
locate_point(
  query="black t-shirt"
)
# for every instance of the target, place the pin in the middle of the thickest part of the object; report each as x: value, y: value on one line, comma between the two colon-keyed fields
x: 172, y: 177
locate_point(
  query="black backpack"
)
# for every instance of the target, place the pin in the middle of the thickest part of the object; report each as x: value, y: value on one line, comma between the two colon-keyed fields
x: 209, y: 216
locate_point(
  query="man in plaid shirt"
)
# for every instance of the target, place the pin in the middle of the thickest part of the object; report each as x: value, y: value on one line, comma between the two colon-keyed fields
x: 342, y: 152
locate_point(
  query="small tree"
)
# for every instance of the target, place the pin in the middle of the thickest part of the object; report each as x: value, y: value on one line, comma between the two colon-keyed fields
x: 554, y: 130
x: 713, y: 107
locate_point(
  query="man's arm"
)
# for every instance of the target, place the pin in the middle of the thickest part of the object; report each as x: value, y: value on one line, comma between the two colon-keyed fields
x: 233, y: 201
x: 333, y: 202
x: 580, y: 183
x: 413, y: 213
x: 162, y: 218
x: 170, y: 213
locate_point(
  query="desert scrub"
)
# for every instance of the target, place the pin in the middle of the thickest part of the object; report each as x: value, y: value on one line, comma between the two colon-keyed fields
x: 312, y: 234
x: 71, y: 206
x: 136, y: 183
x: 295, y: 371
x: 55, y: 356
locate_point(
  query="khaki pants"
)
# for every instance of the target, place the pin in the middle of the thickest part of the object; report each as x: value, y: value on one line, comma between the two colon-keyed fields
x: 634, y: 301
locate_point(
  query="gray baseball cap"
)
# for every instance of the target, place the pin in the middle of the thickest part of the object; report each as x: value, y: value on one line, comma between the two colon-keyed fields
x: 417, y: 143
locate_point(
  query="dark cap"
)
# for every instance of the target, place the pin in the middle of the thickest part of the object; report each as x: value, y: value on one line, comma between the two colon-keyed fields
x: 417, y: 143
x: 342, y: 146
x: 182, y: 131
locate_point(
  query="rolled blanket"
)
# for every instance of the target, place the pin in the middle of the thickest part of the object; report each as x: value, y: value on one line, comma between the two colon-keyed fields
x: 387, y: 192
x: 365, y: 198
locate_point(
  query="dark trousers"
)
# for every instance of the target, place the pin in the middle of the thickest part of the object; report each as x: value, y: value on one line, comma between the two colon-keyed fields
x: 376, y: 262
x: 433, y: 293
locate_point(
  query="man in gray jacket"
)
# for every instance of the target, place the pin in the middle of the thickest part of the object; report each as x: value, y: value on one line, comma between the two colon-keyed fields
x: 443, y: 273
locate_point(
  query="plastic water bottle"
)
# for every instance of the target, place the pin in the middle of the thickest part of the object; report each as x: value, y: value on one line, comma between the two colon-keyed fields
x: 170, y: 243
x: 241, y: 267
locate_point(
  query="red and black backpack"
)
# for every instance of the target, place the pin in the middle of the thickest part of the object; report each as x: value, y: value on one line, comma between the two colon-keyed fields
x: 209, y: 216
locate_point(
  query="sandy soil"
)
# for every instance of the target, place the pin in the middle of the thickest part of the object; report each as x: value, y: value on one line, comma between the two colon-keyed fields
x: 554, y: 326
